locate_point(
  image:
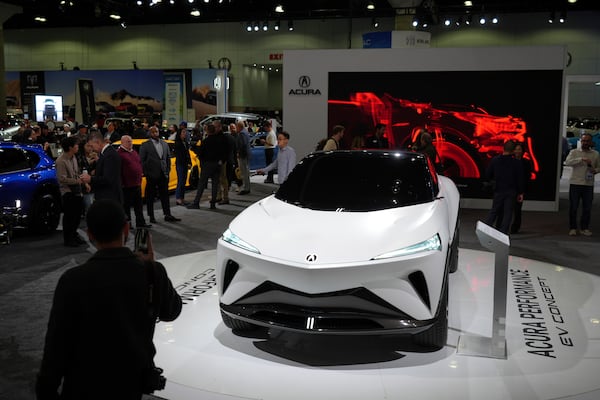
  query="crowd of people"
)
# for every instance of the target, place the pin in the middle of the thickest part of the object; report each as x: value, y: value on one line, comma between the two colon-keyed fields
x: 103, y: 164
x: 90, y: 167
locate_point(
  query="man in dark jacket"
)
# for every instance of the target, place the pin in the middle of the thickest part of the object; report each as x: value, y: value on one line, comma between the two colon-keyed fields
x: 507, y: 173
x: 377, y: 141
x: 106, y: 182
x: 213, y: 153
x: 99, y: 339
x: 156, y: 163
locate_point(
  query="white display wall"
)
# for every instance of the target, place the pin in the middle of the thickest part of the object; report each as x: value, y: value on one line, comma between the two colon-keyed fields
x: 305, y: 107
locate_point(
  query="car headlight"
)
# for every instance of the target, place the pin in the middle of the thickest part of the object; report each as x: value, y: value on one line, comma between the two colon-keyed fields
x: 235, y: 240
x: 431, y: 244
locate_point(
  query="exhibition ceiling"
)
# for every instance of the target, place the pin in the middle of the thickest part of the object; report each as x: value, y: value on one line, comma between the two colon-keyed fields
x: 25, y: 14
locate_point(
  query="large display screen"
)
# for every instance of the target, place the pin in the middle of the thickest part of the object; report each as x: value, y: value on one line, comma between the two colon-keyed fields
x: 469, y: 113
x: 48, y: 108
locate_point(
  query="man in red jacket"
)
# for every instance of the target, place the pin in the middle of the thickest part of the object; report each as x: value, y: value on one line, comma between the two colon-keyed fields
x: 131, y: 180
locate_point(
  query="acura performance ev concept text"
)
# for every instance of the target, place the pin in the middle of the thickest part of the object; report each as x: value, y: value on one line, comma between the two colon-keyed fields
x: 354, y: 242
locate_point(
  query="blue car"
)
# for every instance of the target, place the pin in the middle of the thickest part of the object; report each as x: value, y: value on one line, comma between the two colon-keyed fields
x: 257, y: 159
x: 29, y: 194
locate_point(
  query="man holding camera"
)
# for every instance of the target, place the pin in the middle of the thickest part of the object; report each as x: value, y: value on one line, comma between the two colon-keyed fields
x: 99, y: 339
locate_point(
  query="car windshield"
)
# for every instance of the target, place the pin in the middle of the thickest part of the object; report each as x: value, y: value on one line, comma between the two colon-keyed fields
x: 359, y: 181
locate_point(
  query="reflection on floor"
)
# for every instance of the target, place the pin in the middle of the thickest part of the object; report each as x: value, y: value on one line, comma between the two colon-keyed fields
x: 552, y: 335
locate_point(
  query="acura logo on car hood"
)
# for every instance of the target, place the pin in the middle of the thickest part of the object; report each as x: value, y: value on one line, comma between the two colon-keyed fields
x: 311, y: 258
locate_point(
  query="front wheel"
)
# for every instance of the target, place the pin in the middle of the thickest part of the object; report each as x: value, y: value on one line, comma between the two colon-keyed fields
x: 436, y: 336
x: 44, y: 214
x: 454, y: 249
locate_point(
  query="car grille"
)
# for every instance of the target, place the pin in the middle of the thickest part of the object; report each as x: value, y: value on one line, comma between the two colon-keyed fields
x: 354, y: 311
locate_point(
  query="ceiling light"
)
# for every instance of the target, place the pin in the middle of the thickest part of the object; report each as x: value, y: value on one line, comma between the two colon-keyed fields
x: 572, y: 1
x: 207, y: 1
x: 115, y: 16
x: 495, y: 19
x: 195, y: 13
x: 447, y: 22
x: 468, y: 3
x: 563, y: 17
x: 482, y: 20
x: 265, y: 26
x: 171, y: 2
x: 551, y: 18
x: 276, y: 26
x: 256, y: 27
x: 249, y: 27
x: 40, y: 19
x: 415, y: 22
x: 458, y: 21
x: 123, y: 25
x: 375, y: 23
x: 370, y: 6
x: 279, y: 8
x: 290, y: 25
x: 139, y: 3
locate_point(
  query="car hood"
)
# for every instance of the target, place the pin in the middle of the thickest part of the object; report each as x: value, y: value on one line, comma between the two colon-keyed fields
x: 284, y: 231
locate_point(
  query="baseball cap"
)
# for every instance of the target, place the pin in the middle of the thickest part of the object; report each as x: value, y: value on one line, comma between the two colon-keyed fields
x: 183, y: 123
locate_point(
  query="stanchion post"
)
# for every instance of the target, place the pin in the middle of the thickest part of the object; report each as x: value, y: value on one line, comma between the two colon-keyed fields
x: 494, y: 347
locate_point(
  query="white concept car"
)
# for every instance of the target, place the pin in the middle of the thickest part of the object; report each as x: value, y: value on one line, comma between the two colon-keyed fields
x: 354, y: 242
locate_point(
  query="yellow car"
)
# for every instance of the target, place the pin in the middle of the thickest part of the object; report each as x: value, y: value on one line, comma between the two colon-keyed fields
x: 193, y: 173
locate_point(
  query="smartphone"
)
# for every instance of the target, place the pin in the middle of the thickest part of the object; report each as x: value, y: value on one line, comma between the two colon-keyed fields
x: 142, y: 236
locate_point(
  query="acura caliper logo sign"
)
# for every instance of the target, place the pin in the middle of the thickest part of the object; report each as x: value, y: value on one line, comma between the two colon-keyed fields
x: 311, y: 258
x: 304, y: 88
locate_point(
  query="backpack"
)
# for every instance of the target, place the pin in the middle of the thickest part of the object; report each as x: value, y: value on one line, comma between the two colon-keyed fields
x: 321, y: 144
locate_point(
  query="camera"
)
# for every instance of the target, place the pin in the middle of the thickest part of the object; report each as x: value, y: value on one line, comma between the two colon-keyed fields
x: 142, y: 235
x: 152, y: 380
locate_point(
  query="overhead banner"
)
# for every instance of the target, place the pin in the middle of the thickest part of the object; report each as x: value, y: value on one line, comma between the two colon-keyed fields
x: 85, y: 105
x: 174, y: 98
x: 396, y: 40
x: 32, y: 83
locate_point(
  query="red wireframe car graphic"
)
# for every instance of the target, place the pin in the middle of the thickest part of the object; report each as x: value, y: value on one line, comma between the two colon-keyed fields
x: 466, y: 137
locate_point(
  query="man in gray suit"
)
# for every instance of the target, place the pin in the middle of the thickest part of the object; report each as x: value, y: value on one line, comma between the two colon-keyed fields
x: 156, y: 163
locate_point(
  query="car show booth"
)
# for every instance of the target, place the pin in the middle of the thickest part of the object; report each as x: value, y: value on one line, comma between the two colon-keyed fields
x: 552, y: 331
x: 472, y: 100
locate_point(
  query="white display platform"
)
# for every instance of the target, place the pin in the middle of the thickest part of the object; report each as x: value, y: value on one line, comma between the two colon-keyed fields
x: 553, y: 344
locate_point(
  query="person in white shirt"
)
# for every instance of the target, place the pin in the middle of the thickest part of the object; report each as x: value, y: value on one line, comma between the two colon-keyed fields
x: 585, y: 164
x: 270, y: 141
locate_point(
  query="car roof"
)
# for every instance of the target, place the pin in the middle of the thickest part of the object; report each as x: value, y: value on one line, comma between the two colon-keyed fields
x: 242, y: 116
x: 139, y: 141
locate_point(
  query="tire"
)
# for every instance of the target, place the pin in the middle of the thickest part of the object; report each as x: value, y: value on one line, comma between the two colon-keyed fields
x: 237, y: 324
x: 437, y: 335
x: 194, y: 178
x: 44, y: 213
x: 454, y: 249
